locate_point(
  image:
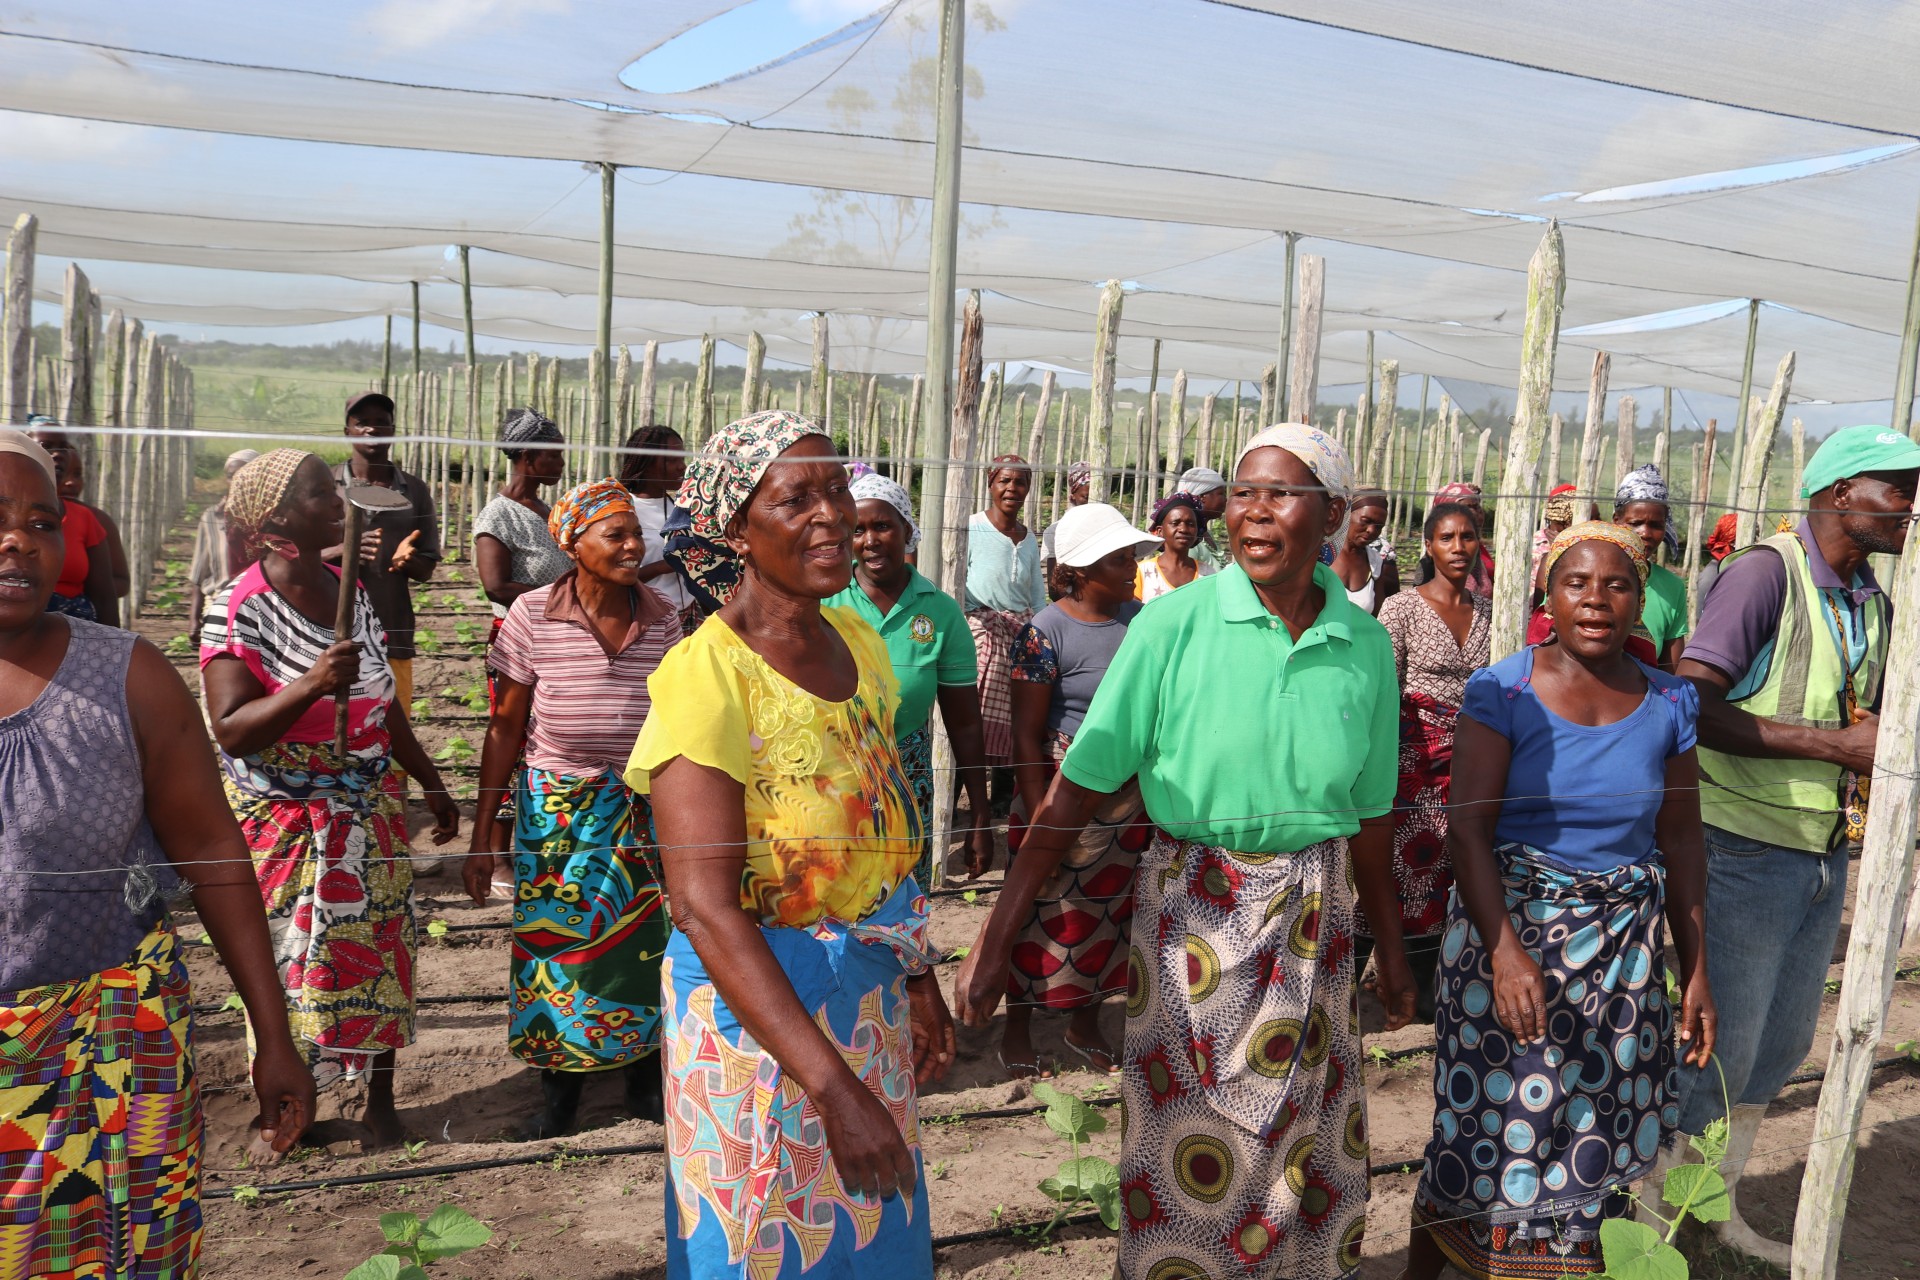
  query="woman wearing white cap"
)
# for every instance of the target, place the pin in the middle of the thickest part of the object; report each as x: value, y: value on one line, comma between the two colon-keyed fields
x: 1257, y: 712
x: 1073, y: 951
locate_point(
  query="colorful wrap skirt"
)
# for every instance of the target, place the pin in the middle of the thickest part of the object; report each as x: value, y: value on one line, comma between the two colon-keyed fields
x: 751, y: 1186
x: 1422, y: 868
x: 995, y: 632
x: 916, y: 757
x: 100, y: 1123
x: 589, y: 924
x: 1244, y: 1152
x: 330, y: 852
x: 1073, y: 952
x: 1532, y: 1147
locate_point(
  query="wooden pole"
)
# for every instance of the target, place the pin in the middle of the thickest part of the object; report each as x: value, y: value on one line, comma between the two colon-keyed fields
x: 415, y: 285
x: 819, y: 409
x: 752, y: 392
x: 1384, y: 414
x: 1623, y: 447
x: 1303, y: 386
x: 942, y: 552
x: 1283, y: 373
x: 1750, y: 521
x: 16, y: 326
x: 1517, y: 514
x: 1177, y: 435
x: 622, y: 397
x: 386, y: 357
x: 915, y: 406
x: 76, y: 356
x: 1269, y: 397
x: 649, y: 382
x: 1799, y: 466
x: 1742, y: 429
x: 1036, y: 441
x: 700, y: 412
x: 470, y: 471
x: 1480, y: 457
x: 1903, y: 379
x: 1881, y: 890
x: 1589, y: 479
x: 1697, y: 526
x: 1366, y: 416
x: 1148, y: 435
x: 603, y: 334
x: 1100, y: 420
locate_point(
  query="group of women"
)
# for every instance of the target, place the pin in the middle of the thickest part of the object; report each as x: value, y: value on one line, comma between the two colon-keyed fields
x: 746, y: 756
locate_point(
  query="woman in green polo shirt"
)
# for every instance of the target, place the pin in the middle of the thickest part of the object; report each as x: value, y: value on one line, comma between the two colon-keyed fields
x: 933, y: 658
x: 1640, y: 504
x: 1259, y: 710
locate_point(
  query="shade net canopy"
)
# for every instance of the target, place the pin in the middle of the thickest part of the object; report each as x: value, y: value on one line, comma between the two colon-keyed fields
x: 234, y: 165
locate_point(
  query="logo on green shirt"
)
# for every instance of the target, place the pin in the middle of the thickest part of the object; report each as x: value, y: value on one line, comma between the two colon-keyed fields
x: 921, y: 629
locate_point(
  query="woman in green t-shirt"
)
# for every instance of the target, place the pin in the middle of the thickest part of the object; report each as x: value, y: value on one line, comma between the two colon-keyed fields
x: 1640, y: 504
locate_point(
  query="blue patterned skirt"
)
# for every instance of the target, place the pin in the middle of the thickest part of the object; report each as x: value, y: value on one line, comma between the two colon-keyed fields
x: 1533, y: 1147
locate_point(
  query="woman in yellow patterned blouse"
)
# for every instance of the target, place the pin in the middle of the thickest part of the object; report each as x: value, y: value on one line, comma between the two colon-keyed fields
x: 800, y: 1012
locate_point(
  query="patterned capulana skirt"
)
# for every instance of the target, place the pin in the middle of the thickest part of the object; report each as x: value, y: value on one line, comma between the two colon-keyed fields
x: 1533, y: 1146
x: 1245, y: 1148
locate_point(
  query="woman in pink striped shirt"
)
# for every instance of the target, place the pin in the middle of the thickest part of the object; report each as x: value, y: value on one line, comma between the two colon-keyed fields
x: 589, y: 924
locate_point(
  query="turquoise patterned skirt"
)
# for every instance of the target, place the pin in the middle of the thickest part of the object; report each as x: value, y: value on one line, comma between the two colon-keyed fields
x: 589, y: 924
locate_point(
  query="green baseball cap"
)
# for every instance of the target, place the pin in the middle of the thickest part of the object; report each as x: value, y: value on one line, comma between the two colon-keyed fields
x: 1854, y: 451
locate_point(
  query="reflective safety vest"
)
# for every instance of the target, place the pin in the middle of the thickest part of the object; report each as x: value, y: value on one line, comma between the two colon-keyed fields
x: 1795, y: 804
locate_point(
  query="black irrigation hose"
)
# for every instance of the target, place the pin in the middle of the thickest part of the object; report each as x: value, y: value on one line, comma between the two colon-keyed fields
x: 655, y: 1148
x: 499, y: 997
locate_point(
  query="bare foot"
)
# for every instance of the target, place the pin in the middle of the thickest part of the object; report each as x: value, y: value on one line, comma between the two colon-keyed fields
x: 1097, y: 1054
x: 383, y: 1125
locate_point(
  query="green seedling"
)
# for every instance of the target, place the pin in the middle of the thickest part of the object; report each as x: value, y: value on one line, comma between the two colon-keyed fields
x: 246, y: 1196
x: 233, y: 1003
x: 1379, y: 1055
x: 1080, y: 1179
x: 457, y: 751
x: 463, y: 632
x: 179, y: 647
x: 1632, y: 1250
x: 436, y: 928
x: 426, y: 642
x: 415, y: 1243
x: 420, y: 709
x: 970, y: 897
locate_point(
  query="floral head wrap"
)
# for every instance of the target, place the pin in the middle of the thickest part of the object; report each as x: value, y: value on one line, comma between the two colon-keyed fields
x: 1560, y: 504
x: 1008, y: 461
x: 583, y: 504
x: 1078, y: 474
x: 1318, y: 452
x: 1601, y: 531
x: 1168, y: 503
x: 720, y: 479
x: 871, y: 486
x: 258, y: 489
x: 1455, y: 492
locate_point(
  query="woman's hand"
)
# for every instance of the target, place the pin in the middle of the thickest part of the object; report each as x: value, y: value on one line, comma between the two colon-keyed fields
x: 932, y: 1026
x: 981, y: 982
x: 1519, y: 991
x: 284, y: 1088
x: 446, y: 814
x: 980, y: 852
x: 1699, y: 1020
x: 338, y: 667
x: 1394, y: 985
x: 868, y: 1152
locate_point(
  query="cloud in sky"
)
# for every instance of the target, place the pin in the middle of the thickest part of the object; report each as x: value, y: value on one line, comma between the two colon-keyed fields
x: 404, y: 26
x: 832, y: 10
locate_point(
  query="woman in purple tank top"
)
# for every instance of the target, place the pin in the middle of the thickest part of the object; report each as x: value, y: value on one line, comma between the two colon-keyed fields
x: 96, y: 1046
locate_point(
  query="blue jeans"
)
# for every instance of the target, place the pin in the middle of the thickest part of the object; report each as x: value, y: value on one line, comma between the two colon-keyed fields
x: 1772, y: 917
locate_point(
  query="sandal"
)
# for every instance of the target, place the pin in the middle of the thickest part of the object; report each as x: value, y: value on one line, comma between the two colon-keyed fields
x: 1088, y: 1052
x: 1018, y: 1065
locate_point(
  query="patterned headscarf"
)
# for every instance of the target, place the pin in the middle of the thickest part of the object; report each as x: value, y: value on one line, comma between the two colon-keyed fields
x: 527, y: 426
x: 258, y: 489
x: 1560, y: 504
x: 1319, y: 452
x: 1168, y: 503
x: 1601, y: 531
x: 1646, y: 484
x: 1200, y: 481
x: 874, y: 487
x: 1078, y: 474
x: 719, y: 481
x: 583, y: 504
x: 1455, y: 492
x: 1013, y: 460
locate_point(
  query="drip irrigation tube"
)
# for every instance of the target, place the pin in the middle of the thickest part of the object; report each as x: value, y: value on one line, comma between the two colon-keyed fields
x: 1411, y: 1165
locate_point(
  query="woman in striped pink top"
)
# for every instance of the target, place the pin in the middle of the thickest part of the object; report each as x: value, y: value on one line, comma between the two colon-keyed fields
x: 589, y: 924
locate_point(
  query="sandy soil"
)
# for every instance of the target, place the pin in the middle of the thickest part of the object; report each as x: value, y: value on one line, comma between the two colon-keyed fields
x: 581, y: 1218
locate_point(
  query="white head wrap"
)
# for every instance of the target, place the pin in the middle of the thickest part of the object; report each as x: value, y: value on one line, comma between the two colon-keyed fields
x: 1319, y: 453
x: 872, y: 486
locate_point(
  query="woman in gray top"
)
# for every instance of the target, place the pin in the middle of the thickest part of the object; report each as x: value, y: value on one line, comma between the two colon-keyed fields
x: 109, y: 793
x: 1074, y: 951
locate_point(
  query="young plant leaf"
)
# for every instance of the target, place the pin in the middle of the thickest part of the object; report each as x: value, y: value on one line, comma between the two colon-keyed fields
x: 1106, y: 1198
x: 233, y: 1003
x: 1634, y: 1251
x: 1712, y: 1143
x: 1089, y: 1173
x: 1700, y: 1189
x: 452, y: 1231
x: 1054, y: 1189
x: 400, y: 1228
x: 381, y: 1266
x: 1067, y: 1115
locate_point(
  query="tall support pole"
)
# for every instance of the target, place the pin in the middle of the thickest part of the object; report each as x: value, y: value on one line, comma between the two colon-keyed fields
x: 1283, y: 369
x: 470, y: 472
x: 941, y: 559
x: 1799, y: 465
x: 1627, y: 418
x: 420, y: 425
x: 1148, y: 436
x: 1589, y: 479
x: 603, y: 403
x: 1697, y: 526
x: 1106, y: 338
x: 1519, y: 508
x: 1751, y: 523
x: 16, y: 327
x: 1176, y: 437
x: 1903, y: 379
x: 701, y: 415
x: 1374, y: 467
x: 1743, y: 429
x: 1303, y: 387
x: 76, y: 354
x: 1883, y: 883
x: 752, y: 392
x: 622, y: 397
x: 1036, y: 441
x: 649, y: 380
x: 386, y: 357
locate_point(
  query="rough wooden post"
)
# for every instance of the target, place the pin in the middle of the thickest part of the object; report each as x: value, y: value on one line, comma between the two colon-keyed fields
x: 76, y: 356
x: 1480, y: 458
x: 1385, y: 414
x: 596, y: 458
x: 1269, y: 396
x: 1303, y: 366
x: 649, y: 383
x: 817, y: 410
x: 1203, y: 451
x: 1517, y: 513
x: 915, y: 406
x: 1062, y: 424
x: 16, y: 326
x: 752, y: 389
x: 1702, y: 523
x: 1175, y: 432
x: 1100, y: 420
x: 1628, y: 416
x: 1148, y: 435
x: 386, y: 356
x: 700, y: 411
x: 1589, y: 478
x: 1750, y: 523
x: 1555, y: 433
x: 1662, y: 446
x: 1036, y: 441
x: 1883, y: 883
x: 622, y: 397
x: 1799, y: 465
